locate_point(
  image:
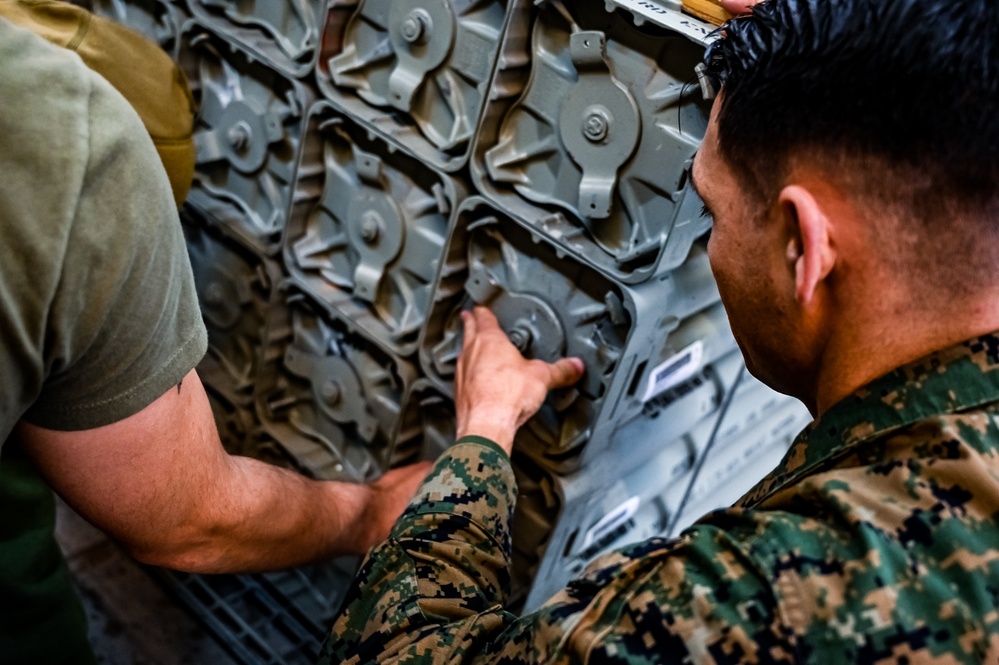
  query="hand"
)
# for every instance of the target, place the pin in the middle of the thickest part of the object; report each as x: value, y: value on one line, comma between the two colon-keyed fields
x: 389, y: 497
x: 496, y: 388
x: 738, y: 7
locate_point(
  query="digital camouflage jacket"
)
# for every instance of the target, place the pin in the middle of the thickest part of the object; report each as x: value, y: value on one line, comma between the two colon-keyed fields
x: 874, y: 541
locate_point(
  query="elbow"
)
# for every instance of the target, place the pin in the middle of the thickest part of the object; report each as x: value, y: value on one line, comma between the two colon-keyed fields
x: 183, y: 557
x: 190, y: 549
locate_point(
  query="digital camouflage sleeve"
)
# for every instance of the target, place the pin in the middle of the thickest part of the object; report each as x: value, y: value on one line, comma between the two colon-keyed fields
x: 875, y: 541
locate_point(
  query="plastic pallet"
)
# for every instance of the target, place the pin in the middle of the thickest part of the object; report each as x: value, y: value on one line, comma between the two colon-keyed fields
x: 271, y: 619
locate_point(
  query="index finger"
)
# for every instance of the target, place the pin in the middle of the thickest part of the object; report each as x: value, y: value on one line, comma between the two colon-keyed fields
x: 565, y: 372
x: 484, y: 319
x: 468, y: 321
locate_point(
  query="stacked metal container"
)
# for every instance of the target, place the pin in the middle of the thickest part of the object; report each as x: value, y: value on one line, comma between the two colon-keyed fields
x: 369, y: 168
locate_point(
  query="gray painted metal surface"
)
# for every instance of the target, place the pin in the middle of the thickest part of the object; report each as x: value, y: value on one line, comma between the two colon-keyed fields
x: 589, y: 135
x: 641, y: 502
x: 549, y: 305
x: 328, y: 396
x: 367, y: 228
x: 426, y: 428
x: 283, y: 33
x: 415, y: 71
x: 234, y: 289
x: 247, y: 134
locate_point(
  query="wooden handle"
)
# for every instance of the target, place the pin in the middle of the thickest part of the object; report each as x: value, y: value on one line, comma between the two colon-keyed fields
x: 707, y: 10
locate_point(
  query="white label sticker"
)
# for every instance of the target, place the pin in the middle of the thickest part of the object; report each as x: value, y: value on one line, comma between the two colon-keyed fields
x: 611, y: 521
x: 674, y: 371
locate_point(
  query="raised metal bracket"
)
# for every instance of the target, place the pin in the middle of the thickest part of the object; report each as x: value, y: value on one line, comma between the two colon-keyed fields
x: 375, y: 227
x: 336, y: 388
x: 600, y: 124
x: 422, y: 35
x: 241, y: 136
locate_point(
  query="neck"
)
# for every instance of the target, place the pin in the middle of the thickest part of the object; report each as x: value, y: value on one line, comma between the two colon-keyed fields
x: 867, y: 347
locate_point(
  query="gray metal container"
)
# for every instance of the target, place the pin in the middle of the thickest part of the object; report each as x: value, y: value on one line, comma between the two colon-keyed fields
x: 415, y: 71
x: 367, y: 228
x: 248, y: 133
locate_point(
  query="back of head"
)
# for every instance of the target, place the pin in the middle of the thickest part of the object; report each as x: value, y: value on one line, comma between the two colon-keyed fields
x: 898, y: 96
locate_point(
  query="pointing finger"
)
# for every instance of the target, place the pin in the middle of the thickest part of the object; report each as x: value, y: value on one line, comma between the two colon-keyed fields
x: 484, y: 319
x: 565, y: 372
x: 469, y: 322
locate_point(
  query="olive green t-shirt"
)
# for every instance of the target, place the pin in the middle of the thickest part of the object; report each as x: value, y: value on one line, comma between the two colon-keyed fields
x: 99, y: 315
x: 98, y: 312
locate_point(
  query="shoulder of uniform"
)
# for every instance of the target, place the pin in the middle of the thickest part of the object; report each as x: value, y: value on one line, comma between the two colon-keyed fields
x: 32, y: 65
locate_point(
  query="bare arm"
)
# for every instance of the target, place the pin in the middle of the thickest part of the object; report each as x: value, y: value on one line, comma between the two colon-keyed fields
x: 161, y: 484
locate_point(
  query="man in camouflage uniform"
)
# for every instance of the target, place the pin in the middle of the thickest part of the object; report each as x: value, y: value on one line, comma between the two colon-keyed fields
x: 852, y: 168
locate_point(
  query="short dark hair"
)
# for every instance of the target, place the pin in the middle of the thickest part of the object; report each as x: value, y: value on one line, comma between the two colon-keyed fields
x: 911, y: 84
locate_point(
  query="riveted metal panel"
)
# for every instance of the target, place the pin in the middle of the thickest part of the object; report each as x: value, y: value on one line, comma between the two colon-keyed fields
x: 283, y: 33
x: 367, y: 228
x: 589, y: 136
x: 330, y: 397
x: 415, y: 71
x: 247, y: 136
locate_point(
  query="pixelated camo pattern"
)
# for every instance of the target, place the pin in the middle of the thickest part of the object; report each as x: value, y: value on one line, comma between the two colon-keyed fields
x: 875, y: 541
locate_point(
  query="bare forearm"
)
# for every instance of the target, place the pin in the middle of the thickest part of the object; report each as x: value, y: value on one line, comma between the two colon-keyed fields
x: 160, y: 484
x: 264, y: 518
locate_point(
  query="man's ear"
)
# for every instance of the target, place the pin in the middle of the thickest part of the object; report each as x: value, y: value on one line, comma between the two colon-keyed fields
x: 809, y: 250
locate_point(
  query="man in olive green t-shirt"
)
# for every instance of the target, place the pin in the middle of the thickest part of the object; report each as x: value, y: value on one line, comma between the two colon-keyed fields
x: 99, y: 332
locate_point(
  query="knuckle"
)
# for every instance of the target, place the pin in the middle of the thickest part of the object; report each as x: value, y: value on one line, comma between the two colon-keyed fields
x: 538, y: 367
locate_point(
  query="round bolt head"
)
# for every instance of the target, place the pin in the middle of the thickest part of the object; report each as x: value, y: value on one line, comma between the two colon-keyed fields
x: 596, y: 126
x: 239, y: 135
x: 520, y: 338
x: 371, y: 227
x: 415, y: 27
x: 330, y: 392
